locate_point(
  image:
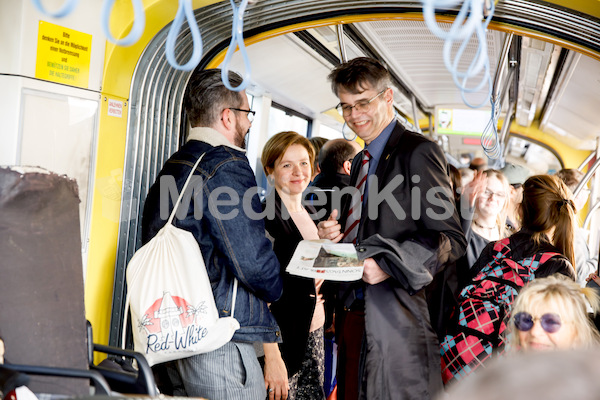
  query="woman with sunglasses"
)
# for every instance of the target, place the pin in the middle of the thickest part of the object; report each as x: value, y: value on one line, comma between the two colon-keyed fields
x: 551, y: 314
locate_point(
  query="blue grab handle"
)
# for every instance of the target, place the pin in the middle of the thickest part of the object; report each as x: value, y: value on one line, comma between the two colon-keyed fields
x: 467, y: 23
x: 64, y: 10
x: 237, y: 39
x: 139, y: 23
x: 184, y: 10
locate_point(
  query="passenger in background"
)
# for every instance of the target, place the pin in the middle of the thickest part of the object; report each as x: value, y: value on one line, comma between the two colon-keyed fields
x: 541, y: 248
x: 516, y: 176
x: 464, y: 159
x: 548, y: 222
x: 317, y: 143
x: 552, y: 314
x: 288, y: 160
x: 335, y: 160
x: 585, y: 263
x: 483, y: 216
x: 478, y: 164
x: 466, y: 175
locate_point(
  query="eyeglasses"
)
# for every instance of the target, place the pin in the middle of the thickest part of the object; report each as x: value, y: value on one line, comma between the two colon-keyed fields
x: 250, y: 113
x: 524, y: 321
x: 360, y: 106
x: 488, y: 193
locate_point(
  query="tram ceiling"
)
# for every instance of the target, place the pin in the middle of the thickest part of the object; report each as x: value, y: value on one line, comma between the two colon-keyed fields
x: 414, y: 54
x: 557, y: 89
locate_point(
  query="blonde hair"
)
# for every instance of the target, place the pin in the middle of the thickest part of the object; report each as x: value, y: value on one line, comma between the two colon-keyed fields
x: 278, y: 144
x: 548, y: 203
x: 571, y: 301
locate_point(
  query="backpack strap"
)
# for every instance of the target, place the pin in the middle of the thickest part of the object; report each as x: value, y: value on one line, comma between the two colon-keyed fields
x: 172, y: 216
x: 185, y: 185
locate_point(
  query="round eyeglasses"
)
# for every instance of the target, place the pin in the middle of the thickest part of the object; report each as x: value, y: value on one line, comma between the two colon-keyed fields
x: 250, y: 113
x: 550, y: 322
x: 360, y: 106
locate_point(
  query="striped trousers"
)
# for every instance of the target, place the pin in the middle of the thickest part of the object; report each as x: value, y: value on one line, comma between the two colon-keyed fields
x: 231, y: 372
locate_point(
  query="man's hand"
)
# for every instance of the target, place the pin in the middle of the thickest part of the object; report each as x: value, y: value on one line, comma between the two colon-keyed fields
x: 373, y: 274
x: 331, y: 229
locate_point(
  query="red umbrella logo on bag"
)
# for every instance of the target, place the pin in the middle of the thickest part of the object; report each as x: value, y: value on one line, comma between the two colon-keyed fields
x: 168, y: 317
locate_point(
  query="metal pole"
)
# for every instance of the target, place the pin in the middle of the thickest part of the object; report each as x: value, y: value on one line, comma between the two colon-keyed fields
x: 340, y: 37
x: 592, y: 218
x: 587, y: 177
x: 510, y: 115
x: 587, y: 160
x: 499, y: 68
x: 415, y: 117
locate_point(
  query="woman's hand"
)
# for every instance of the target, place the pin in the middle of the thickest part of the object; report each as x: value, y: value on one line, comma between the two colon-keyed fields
x: 476, y: 186
x: 331, y: 228
x: 593, y: 277
x: 276, y: 377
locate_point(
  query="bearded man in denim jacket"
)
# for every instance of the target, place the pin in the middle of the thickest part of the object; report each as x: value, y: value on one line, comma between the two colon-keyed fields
x: 225, y: 219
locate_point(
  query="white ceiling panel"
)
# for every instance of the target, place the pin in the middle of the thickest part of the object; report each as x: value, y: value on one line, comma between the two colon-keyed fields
x: 416, y: 54
x: 576, y: 110
x: 294, y: 77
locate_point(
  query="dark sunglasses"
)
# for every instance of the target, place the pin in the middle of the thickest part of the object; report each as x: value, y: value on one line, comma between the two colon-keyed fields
x: 550, y: 322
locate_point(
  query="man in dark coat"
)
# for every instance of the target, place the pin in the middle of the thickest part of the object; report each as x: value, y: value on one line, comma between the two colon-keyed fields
x: 335, y: 162
x: 409, y: 227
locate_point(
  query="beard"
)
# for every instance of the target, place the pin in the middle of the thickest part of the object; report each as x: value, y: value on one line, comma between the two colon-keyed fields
x: 240, y: 137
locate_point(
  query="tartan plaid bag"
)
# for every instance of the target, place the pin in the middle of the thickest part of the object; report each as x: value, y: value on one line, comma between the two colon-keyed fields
x: 483, y: 308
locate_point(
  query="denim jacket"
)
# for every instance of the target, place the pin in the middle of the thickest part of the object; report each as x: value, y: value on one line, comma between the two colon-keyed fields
x: 231, y: 237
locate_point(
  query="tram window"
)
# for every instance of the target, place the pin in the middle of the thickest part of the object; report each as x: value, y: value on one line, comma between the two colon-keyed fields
x: 539, y: 159
x: 61, y: 138
x: 329, y: 133
x: 280, y: 120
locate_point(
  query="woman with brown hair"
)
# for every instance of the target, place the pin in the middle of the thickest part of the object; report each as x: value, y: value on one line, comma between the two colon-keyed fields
x: 585, y: 263
x: 288, y: 162
x: 548, y: 212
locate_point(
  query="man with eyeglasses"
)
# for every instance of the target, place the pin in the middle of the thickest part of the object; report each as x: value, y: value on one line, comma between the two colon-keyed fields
x: 233, y: 244
x: 408, y: 224
x: 516, y: 175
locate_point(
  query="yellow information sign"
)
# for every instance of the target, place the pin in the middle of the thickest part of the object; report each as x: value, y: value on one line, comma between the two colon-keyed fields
x: 63, y: 55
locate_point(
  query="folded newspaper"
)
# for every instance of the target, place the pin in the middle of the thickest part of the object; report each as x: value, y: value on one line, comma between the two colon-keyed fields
x: 322, y: 259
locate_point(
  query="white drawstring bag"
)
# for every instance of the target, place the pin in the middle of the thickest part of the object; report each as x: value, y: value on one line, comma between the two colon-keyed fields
x: 173, y: 311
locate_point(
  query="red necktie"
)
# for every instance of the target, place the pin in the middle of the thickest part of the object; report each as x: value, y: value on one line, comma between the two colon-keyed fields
x: 353, y: 218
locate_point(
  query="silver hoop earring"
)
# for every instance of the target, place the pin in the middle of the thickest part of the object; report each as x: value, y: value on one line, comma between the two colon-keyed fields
x: 345, y: 130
